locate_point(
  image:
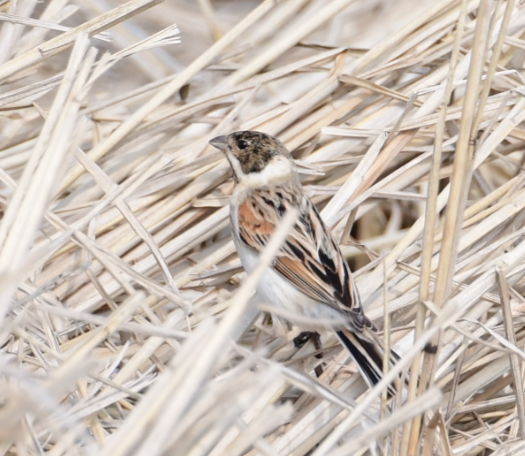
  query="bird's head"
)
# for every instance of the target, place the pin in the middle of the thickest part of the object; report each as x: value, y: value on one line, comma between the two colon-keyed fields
x: 256, y: 158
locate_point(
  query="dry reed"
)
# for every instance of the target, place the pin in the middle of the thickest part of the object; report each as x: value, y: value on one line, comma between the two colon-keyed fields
x: 128, y: 326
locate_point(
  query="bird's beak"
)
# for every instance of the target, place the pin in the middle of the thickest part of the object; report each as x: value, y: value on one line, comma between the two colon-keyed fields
x: 219, y: 142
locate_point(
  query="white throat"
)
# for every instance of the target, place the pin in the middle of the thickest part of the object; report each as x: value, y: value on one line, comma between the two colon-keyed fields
x: 279, y: 170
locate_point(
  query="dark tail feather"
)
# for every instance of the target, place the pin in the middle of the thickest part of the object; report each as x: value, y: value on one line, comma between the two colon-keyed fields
x: 368, y: 357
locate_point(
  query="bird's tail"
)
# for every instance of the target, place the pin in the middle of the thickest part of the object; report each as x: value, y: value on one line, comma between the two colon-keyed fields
x: 368, y: 357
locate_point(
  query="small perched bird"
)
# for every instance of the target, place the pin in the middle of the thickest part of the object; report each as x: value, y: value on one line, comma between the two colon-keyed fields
x: 309, y: 275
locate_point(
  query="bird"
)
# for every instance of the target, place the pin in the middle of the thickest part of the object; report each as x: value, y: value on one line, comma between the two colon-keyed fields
x: 309, y: 275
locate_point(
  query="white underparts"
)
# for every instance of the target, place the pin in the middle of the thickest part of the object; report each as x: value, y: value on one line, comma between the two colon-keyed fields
x: 278, y: 291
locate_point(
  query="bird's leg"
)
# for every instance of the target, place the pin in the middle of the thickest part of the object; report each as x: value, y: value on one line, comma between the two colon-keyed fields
x: 305, y: 336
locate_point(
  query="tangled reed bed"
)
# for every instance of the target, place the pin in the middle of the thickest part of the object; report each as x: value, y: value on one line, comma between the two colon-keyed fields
x: 128, y: 326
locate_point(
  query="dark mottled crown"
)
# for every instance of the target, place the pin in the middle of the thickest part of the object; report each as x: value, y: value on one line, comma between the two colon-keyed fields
x: 254, y: 149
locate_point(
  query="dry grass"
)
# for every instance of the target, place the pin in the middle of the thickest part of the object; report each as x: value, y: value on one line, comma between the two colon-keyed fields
x: 128, y: 325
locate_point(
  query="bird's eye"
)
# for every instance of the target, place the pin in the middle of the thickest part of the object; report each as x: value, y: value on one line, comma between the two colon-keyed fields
x: 242, y: 144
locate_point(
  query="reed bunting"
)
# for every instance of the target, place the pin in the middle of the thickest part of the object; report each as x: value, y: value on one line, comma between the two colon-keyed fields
x: 309, y: 275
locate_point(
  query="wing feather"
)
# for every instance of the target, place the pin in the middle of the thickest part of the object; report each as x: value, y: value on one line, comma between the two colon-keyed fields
x: 309, y: 259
